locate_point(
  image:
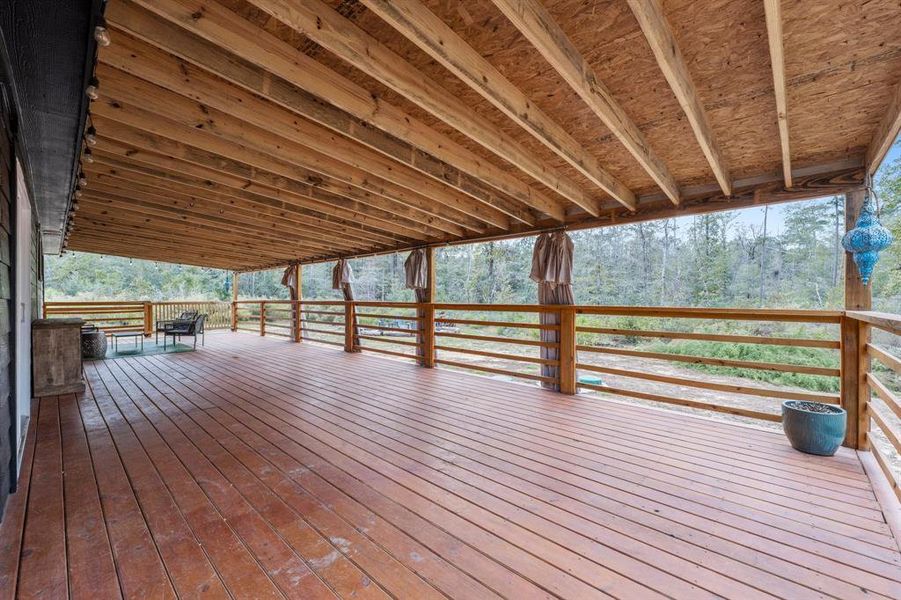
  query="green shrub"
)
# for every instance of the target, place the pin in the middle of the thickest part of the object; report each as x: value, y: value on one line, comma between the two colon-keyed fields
x: 815, y: 357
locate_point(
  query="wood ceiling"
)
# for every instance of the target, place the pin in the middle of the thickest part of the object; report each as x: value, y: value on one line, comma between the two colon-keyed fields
x: 246, y: 134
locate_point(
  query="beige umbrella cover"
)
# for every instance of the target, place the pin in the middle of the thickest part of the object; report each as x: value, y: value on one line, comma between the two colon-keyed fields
x: 552, y: 269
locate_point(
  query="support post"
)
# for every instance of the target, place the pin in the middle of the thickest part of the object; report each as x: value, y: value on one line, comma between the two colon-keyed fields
x: 855, y: 392
x: 235, y: 279
x: 148, y: 319
x: 262, y: 318
x: 298, y: 294
x: 567, y: 354
x: 427, y: 314
x: 349, y: 319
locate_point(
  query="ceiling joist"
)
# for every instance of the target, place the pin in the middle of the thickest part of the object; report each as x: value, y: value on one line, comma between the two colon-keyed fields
x: 532, y: 19
x: 282, y: 74
x: 247, y: 134
x: 659, y: 35
x: 346, y: 40
x: 418, y: 24
x: 773, y: 10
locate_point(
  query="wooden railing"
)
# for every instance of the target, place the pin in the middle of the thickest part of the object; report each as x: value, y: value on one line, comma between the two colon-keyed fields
x: 641, y: 352
x: 110, y: 316
x: 684, y: 318
x: 553, y: 345
x: 141, y: 315
x: 218, y: 314
x: 879, y: 410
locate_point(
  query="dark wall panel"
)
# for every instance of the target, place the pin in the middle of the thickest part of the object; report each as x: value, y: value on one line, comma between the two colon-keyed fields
x: 6, y: 406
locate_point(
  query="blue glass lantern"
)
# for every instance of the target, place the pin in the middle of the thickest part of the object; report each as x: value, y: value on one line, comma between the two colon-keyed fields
x: 867, y: 240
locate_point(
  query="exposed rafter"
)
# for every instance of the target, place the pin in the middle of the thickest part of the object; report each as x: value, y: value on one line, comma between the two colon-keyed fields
x: 346, y: 40
x: 659, y: 34
x: 773, y: 10
x: 536, y: 24
x: 418, y: 24
x: 214, y: 153
x: 181, y: 86
x: 175, y: 29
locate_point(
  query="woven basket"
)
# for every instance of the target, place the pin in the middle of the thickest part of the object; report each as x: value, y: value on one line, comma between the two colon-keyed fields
x: 93, y: 344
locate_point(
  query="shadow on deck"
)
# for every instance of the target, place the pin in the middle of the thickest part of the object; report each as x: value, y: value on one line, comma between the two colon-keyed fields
x: 260, y: 468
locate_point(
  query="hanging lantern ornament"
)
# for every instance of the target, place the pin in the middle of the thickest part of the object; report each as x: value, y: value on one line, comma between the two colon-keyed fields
x: 867, y: 239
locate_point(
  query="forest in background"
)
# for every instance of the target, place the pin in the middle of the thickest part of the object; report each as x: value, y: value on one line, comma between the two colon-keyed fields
x: 704, y: 260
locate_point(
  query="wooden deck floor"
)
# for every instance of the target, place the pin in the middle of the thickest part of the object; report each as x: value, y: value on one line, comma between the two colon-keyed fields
x: 258, y: 468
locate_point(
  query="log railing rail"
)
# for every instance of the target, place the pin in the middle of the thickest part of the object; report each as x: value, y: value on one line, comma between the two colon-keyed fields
x: 508, y: 343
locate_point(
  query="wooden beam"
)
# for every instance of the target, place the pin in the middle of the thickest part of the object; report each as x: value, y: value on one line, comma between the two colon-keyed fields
x: 342, y: 37
x: 418, y: 24
x: 236, y: 277
x: 117, y: 183
x: 290, y: 197
x: 855, y: 392
x: 172, y: 77
x: 886, y: 132
x: 228, y: 30
x: 115, y: 203
x: 272, y: 172
x: 307, y: 214
x: 773, y: 9
x: 102, y: 222
x: 140, y: 203
x: 857, y: 295
x: 533, y: 20
x: 161, y: 109
x: 660, y: 37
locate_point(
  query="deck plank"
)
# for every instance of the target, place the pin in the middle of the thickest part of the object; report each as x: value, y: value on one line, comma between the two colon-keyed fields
x: 815, y: 579
x: 440, y: 449
x: 42, y: 571
x: 13, y: 526
x: 90, y: 557
x: 260, y: 468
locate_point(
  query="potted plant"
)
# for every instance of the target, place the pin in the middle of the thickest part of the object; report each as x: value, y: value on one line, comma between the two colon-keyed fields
x: 814, y: 427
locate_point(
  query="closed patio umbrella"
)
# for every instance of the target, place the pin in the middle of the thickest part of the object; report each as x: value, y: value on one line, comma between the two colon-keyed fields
x: 289, y: 278
x: 416, y: 271
x: 343, y: 279
x: 552, y: 265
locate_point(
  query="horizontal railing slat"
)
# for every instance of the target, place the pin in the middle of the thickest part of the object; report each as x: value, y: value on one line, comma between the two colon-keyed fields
x: 709, y: 385
x: 720, y: 362
x: 733, y: 410
x: 713, y: 337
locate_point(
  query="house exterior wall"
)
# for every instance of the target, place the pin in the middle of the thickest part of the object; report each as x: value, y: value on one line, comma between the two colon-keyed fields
x: 7, y: 408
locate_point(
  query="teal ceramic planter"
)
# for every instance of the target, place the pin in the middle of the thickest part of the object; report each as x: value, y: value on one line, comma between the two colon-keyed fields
x: 813, y: 427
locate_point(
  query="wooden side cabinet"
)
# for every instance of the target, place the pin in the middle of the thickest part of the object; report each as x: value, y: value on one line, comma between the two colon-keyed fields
x: 56, y: 357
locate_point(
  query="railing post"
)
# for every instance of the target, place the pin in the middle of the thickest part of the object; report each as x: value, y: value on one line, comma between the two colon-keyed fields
x: 148, y: 319
x: 295, y: 306
x: 298, y: 325
x: 349, y: 318
x: 262, y: 318
x: 855, y: 393
x: 567, y: 355
x: 427, y: 325
x: 863, y: 388
x: 235, y: 281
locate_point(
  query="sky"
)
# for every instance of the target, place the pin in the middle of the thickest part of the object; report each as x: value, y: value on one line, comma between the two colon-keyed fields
x: 776, y: 217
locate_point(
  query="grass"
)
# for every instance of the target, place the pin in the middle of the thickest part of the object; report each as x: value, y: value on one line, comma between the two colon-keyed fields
x: 819, y: 357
